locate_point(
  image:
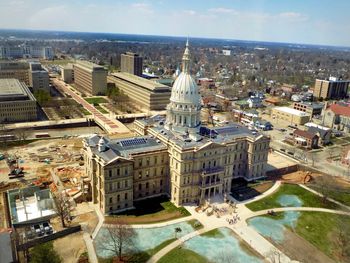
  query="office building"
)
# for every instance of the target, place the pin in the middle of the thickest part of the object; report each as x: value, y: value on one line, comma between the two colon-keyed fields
x: 292, y: 116
x: 67, y: 73
x: 38, y: 77
x: 147, y: 94
x: 331, y: 88
x: 311, y: 108
x: 131, y: 63
x: 176, y: 156
x: 17, y: 103
x: 26, y: 51
x: 15, y: 70
x: 90, y: 78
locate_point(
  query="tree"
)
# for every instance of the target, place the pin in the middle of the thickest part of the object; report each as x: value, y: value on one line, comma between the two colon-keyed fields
x: 44, y: 253
x: 342, y: 238
x: 42, y: 96
x: 62, y: 207
x: 119, y: 238
x: 22, y: 134
x: 274, y: 256
x: 177, y: 230
x: 326, y: 185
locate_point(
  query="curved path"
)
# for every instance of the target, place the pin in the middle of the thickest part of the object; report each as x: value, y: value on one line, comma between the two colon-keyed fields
x: 245, y: 232
x: 306, y: 209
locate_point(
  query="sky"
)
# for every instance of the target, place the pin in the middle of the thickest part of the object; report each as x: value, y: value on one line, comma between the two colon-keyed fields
x: 293, y: 21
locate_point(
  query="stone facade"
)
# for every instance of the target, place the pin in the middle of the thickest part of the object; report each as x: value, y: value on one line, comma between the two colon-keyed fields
x: 176, y: 155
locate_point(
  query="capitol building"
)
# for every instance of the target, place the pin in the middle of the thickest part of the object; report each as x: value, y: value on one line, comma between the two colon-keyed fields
x: 175, y: 156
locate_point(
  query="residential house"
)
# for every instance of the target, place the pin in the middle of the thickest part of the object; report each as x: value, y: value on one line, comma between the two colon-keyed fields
x: 324, y: 135
x: 305, y: 138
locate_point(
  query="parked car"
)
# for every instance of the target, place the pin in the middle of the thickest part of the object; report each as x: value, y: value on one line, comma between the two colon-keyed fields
x: 47, y: 228
x: 38, y: 230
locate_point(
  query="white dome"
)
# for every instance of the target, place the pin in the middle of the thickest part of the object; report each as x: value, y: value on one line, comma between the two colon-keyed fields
x: 183, y: 111
x: 185, y: 90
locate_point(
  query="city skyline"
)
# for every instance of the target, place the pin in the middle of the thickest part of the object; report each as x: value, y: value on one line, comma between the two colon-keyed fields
x: 309, y: 22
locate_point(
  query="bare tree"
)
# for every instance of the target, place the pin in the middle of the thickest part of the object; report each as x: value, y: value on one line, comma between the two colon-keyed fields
x: 119, y: 238
x: 225, y: 257
x: 62, y: 207
x: 326, y: 184
x: 22, y: 134
x: 274, y: 256
x: 342, y: 238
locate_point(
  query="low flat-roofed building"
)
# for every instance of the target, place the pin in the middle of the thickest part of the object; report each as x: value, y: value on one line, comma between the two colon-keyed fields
x: 90, y: 78
x: 148, y: 94
x: 17, y: 103
x: 290, y: 115
x: 30, y: 205
x: 15, y: 70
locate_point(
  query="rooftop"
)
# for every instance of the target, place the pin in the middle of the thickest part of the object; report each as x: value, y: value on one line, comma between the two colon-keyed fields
x: 292, y: 111
x: 142, y: 82
x: 304, y: 134
x: 89, y: 65
x: 340, y: 110
x: 14, y: 90
x: 313, y: 105
x: 29, y: 204
x: 124, y: 147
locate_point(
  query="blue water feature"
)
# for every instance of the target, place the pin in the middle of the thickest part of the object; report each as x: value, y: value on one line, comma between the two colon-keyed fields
x: 145, y: 239
x: 213, y: 248
x: 290, y: 200
x: 274, y: 228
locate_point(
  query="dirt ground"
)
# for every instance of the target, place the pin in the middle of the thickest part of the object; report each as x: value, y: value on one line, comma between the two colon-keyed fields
x: 38, y: 157
x: 261, y: 188
x: 299, y: 177
x: 70, y: 253
x: 299, y: 249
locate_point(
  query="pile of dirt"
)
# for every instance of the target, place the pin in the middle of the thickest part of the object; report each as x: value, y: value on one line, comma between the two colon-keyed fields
x: 299, y: 177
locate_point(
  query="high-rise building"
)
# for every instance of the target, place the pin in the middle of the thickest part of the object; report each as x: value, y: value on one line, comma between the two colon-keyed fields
x: 15, y: 70
x: 17, y: 103
x: 90, y: 78
x: 332, y: 88
x: 131, y: 63
x: 38, y: 77
x: 176, y: 156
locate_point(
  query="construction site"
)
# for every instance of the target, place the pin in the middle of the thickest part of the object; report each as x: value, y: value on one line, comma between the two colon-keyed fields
x: 53, y: 163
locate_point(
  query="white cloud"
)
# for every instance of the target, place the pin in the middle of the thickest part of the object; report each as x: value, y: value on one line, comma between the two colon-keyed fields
x: 190, y: 12
x: 292, y: 16
x: 222, y: 10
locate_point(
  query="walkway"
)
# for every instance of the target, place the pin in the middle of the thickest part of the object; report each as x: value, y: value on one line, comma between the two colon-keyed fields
x: 110, y: 125
x: 311, y: 209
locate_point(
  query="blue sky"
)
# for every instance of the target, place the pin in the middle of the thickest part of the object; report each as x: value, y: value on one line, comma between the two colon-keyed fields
x: 296, y: 21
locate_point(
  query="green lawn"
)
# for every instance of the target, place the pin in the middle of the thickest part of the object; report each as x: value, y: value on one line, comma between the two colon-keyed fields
x: 152, y: 210
x: 195, y: 224
x: 215, y: 233
x: 96, y: 100
x: 102, y: 110
x: 309, y: 199
x: 321, y: 230
x: 56, y: 62
x: 182, y: 255
x: 146, y: 255
x: 340, y: 195
x: 85, y: 112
